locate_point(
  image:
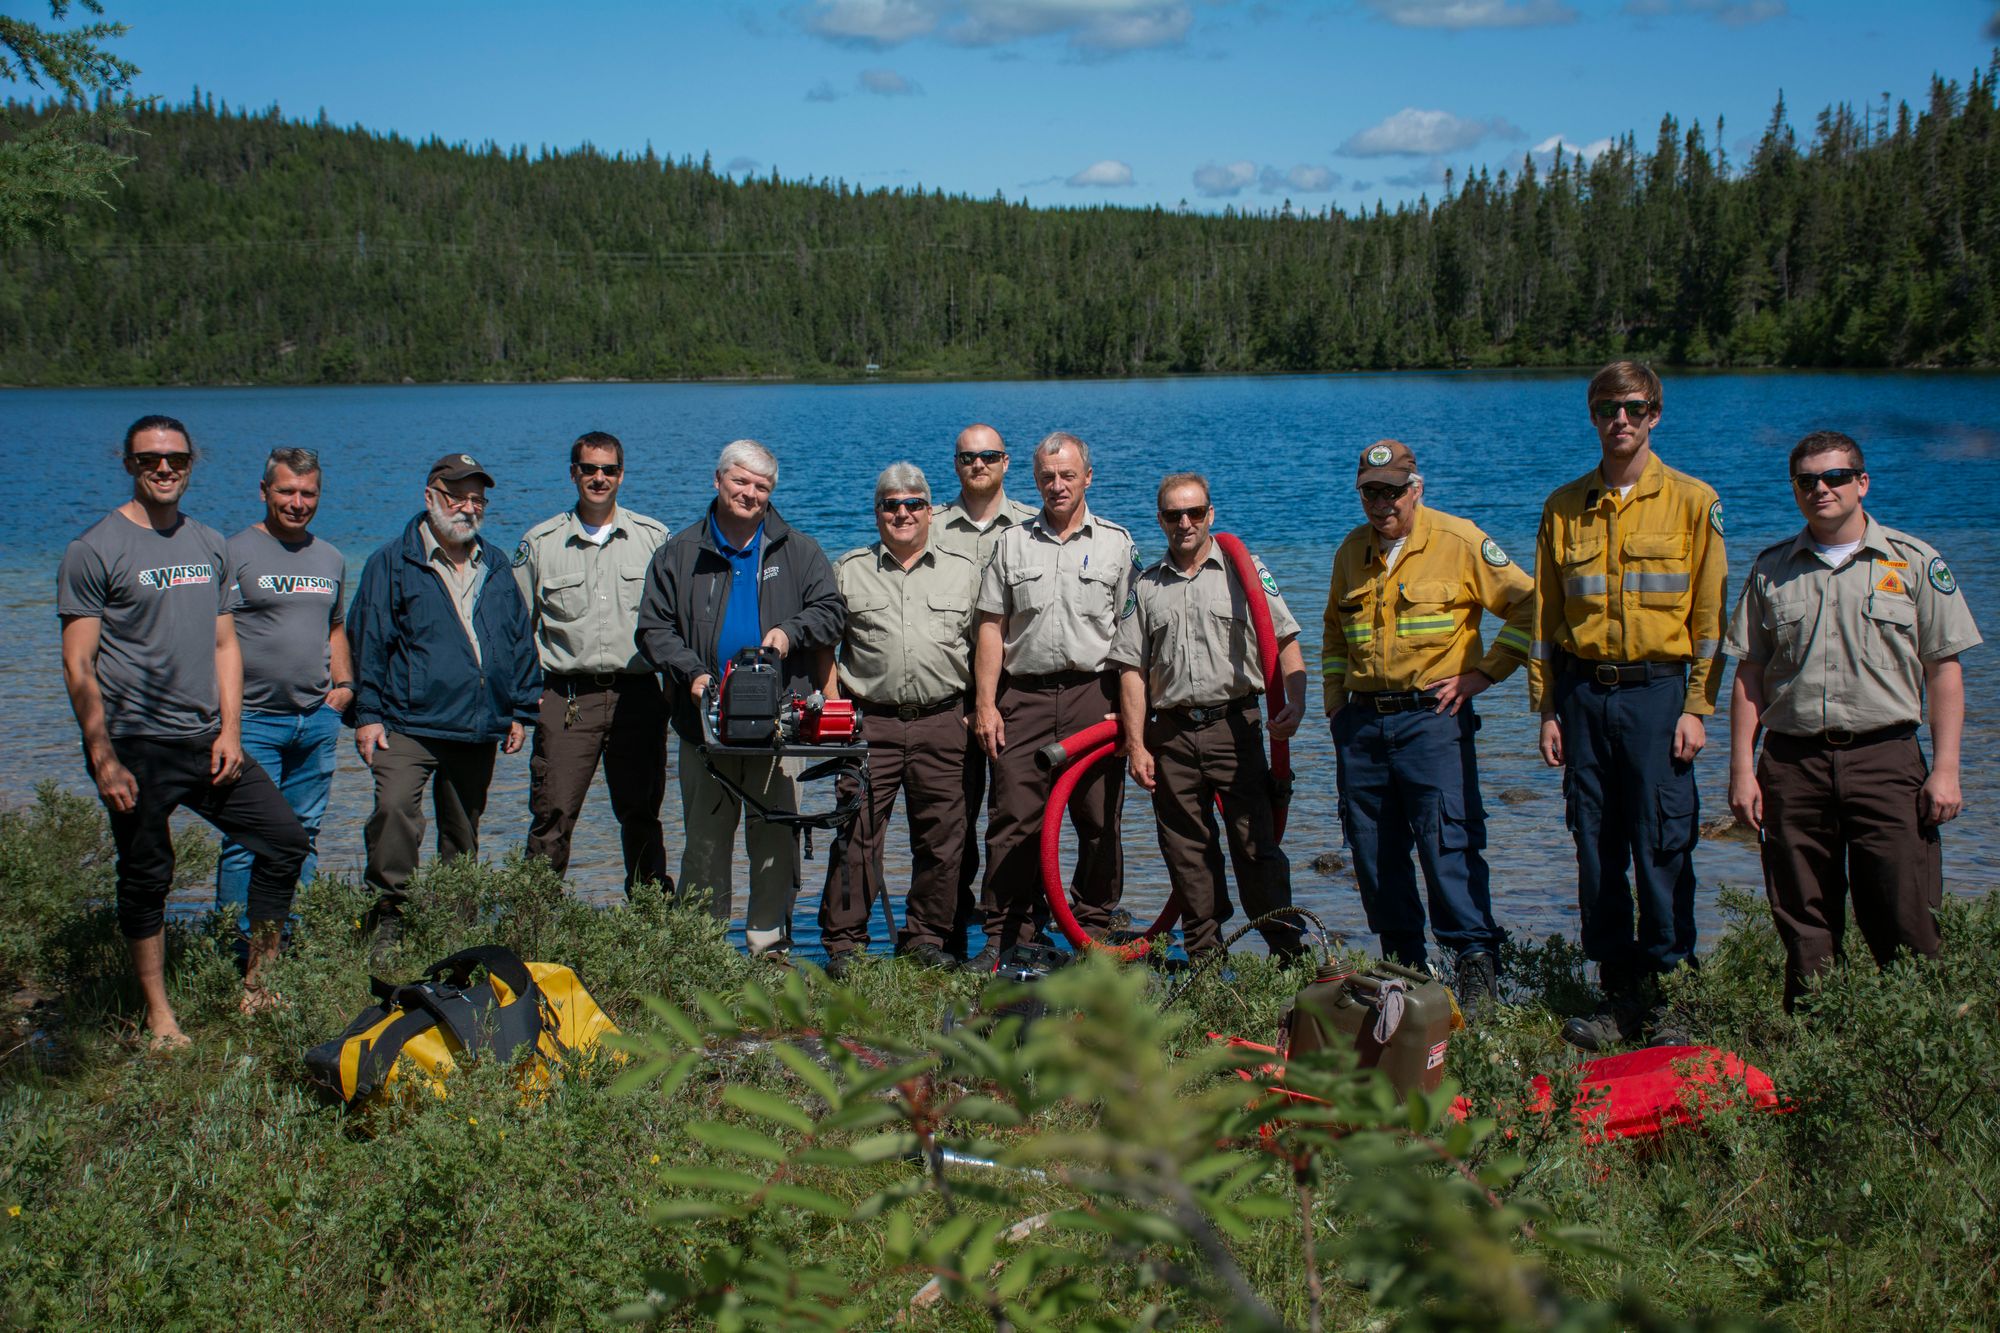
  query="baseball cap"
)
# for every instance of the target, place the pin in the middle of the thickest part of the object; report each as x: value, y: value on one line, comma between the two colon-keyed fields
x: 1387, y: 461
x: 458, y: 467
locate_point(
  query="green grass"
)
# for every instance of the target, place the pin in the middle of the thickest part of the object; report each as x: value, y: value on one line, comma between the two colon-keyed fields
x: 212, y: 1188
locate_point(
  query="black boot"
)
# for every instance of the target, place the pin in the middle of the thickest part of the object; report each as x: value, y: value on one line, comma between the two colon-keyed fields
x: 1475, y: 982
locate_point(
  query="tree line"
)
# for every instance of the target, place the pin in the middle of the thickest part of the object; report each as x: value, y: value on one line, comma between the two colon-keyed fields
x: 248, y: 247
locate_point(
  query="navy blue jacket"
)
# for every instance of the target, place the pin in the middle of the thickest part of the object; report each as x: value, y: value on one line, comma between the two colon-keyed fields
x: 413, y: 668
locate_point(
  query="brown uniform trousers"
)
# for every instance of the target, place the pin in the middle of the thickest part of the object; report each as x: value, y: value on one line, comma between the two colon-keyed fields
x: 458, y: 774
x: 1840, y: 819
x: 1194, y: 763
x: 1037, y: 710
x: 621, y: 717
x: 924, y: 758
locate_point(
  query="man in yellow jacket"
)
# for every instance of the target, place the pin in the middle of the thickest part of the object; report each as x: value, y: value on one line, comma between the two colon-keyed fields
x: 1402, y: 660
x: 1630, y: 577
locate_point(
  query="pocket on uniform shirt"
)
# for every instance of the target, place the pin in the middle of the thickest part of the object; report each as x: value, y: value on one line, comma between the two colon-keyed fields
x: 1029, y: 589
x: 1656, y: 568
x: 1582, y: 572
x: 951, y: 614
x: 1789, y: 627
x: 867, y: 615
x: 631, y: 588
x: 1891, y: 637
x: 1101, y: 585
x: 564, y: 596
x: 1678, y: 807
x: 1426, y: 609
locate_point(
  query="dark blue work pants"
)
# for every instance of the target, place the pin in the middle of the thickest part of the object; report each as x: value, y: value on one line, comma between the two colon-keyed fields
x: 1629, y: 803
x: 1411, y: 781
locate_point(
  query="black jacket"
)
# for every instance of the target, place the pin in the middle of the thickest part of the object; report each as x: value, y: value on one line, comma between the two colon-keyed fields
x: 687, y: 590
x: 413, y: 668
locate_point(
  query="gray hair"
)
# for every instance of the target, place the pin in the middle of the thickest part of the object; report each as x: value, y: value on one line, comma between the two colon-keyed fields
x: 751, y: 457
x: 1057, y: 440
x: 302, y: 461
x: 901, y: 479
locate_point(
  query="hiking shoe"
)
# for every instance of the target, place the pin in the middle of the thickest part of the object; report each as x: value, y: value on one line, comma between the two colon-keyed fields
x: 1668, y: 1030
x: 840, y: 963
x: 1476, y: 984
x: 925, y: 954
x: 388, y: 938
x: 983, y: 962
x: 1615, y: 1023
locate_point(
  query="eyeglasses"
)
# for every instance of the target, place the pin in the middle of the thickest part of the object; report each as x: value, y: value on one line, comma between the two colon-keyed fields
x: 1375, y: 493
x: 1635, y: 409
x: 967, y: 457
x: 592, y: 469
x: 909, y: 504
x: 1192, y: 514
x: 473, y: 503
x: 1835, y: 478
x: 175, y: 462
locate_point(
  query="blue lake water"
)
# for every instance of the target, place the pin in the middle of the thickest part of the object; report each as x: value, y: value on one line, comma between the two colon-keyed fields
x: 1278, y: 451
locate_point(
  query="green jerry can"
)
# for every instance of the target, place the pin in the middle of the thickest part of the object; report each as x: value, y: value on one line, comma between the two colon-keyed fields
x: 1396, y: 1019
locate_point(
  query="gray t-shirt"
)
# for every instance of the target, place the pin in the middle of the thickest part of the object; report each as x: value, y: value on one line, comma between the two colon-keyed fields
x: 157, y: 594
x: 289, y: 598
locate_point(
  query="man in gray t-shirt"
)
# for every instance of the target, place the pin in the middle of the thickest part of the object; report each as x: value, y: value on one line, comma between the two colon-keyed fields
x: 289, y: 587
x: 155, y: 676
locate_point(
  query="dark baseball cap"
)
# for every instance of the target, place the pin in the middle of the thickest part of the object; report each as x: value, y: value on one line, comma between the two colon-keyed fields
x: 1389, y: 462
x: 458, y: 467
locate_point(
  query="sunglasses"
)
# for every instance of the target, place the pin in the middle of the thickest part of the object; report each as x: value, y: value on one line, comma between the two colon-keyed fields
x: 909, y: 504
x: 1376, y: 493
x: 966, y: 457
x: 176, y: 462
x: 592, y: 469
x: 1835, y: 478
x: 1193, y: 514
x: 1635, y: 409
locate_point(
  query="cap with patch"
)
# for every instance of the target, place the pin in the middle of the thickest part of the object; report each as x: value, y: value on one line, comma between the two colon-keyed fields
x: 1387, y: 461
x: 458, y: 467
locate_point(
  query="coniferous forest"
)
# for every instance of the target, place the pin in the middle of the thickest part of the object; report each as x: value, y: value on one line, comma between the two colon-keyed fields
x: 246, y: 247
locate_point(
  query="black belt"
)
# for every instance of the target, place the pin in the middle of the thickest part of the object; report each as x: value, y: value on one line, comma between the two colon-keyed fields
x: 1055, y: 680
x: 569, y: 682
x: 1848, y: 740
x: 906, y: 712
x: 1394, y: 701
x: 1626, y: 673
x: 1206, y: 713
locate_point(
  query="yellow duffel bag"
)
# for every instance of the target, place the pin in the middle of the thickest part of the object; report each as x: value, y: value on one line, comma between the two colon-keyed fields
x: 519, y: 1011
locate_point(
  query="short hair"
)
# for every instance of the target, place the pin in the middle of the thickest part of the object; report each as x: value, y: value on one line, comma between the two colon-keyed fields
x: 901, y: 479
x: 980, y: 425
x: 1625, y: 377
x: 1057, y: 440
x: 154, y: 421
x: 1825, y: 442
x: 302, y: 461
x: 596, y: 439
x: 1174, y: 479
x: 751, y: 457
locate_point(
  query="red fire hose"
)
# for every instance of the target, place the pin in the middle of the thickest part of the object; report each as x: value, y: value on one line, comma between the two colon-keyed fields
x: 1076, y: 754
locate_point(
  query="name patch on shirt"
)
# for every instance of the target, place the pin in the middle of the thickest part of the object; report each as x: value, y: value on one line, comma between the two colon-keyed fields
x: 287, y: 585
x: 176, y: 576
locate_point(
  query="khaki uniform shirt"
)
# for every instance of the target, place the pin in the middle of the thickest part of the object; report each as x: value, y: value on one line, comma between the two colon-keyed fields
x: 952, y: 529
x: 463, y: 582
x: 1191, y: 633
x: 583, y: 597
x: 1059, y: 600
x: 909, y: 631
x: 1845, y: 649
x: 1410, y: 626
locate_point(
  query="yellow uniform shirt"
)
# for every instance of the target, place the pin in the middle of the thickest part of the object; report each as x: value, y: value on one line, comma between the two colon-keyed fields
x: 1642, y: 579
x: 1409, y: 626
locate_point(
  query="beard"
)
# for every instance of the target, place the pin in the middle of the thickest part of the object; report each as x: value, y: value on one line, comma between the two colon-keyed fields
x: 452, y: 525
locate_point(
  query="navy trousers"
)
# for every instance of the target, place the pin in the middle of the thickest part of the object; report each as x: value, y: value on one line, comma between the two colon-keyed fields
x: 1410, y: 782
x: 1631, y: 807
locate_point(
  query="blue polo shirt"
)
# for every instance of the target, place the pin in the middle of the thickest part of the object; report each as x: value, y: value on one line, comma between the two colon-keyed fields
x: 741, y: 627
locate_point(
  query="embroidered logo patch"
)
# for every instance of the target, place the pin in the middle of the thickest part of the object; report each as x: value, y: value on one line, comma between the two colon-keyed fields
x: 1715, y: 517
x: 467, y: 460
x: 1264, y: 577
x: 1379, y: 455
x: 521, y: 553
x: 1940, y: 576
x: 1490, y: 552
x: 1890, y: 582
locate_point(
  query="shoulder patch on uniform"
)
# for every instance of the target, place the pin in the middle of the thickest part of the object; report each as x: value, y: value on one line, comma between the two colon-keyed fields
x: 521, y: 553
x: 1264, y: 577
x: 1490, y: 552
x: 1715, y: 517
x: 1940, y: 576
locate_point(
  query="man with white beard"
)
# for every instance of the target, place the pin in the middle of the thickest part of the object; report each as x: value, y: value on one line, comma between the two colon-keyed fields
x: 445, y: 669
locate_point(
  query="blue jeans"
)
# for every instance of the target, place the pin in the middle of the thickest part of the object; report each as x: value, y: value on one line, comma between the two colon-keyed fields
x: 297, y: 750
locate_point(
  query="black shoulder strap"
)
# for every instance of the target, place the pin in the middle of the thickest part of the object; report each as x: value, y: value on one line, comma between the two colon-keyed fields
x: 502, y: 962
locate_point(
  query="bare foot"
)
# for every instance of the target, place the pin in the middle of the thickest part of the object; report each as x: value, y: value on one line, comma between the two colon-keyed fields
x: 258, y: 999
x: 167, y: 1039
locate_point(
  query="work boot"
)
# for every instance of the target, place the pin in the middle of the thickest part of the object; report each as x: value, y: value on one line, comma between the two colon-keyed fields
x: 1475, y: 982
x: 388, y: 938
x: 925, y: 954
x: 839, y: 963
x: 1619, y: 1019
x: 984, y: 961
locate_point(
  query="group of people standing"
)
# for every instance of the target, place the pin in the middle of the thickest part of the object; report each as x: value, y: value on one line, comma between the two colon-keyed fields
x: 215, y: 674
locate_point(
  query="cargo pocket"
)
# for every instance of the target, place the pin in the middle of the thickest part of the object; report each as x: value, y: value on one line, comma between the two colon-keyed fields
x: 1679, y: 804
x: 1460, y: 827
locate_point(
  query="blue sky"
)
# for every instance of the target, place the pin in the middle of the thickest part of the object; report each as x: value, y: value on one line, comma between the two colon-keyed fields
x: 1063, y: 102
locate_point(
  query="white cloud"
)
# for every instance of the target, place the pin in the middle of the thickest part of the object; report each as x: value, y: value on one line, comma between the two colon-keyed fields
x: 1473, y: 13
x: 1110, y: 174
x: 1417, y: 178
x: 887, y: 83
x: 1302, y: 179
x: 1545, y: 152
x: 1415, y: 133
x: 1223, y: 180
x: 1729, y: 13
x: 822, y: 92
x: 1102, y: 27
